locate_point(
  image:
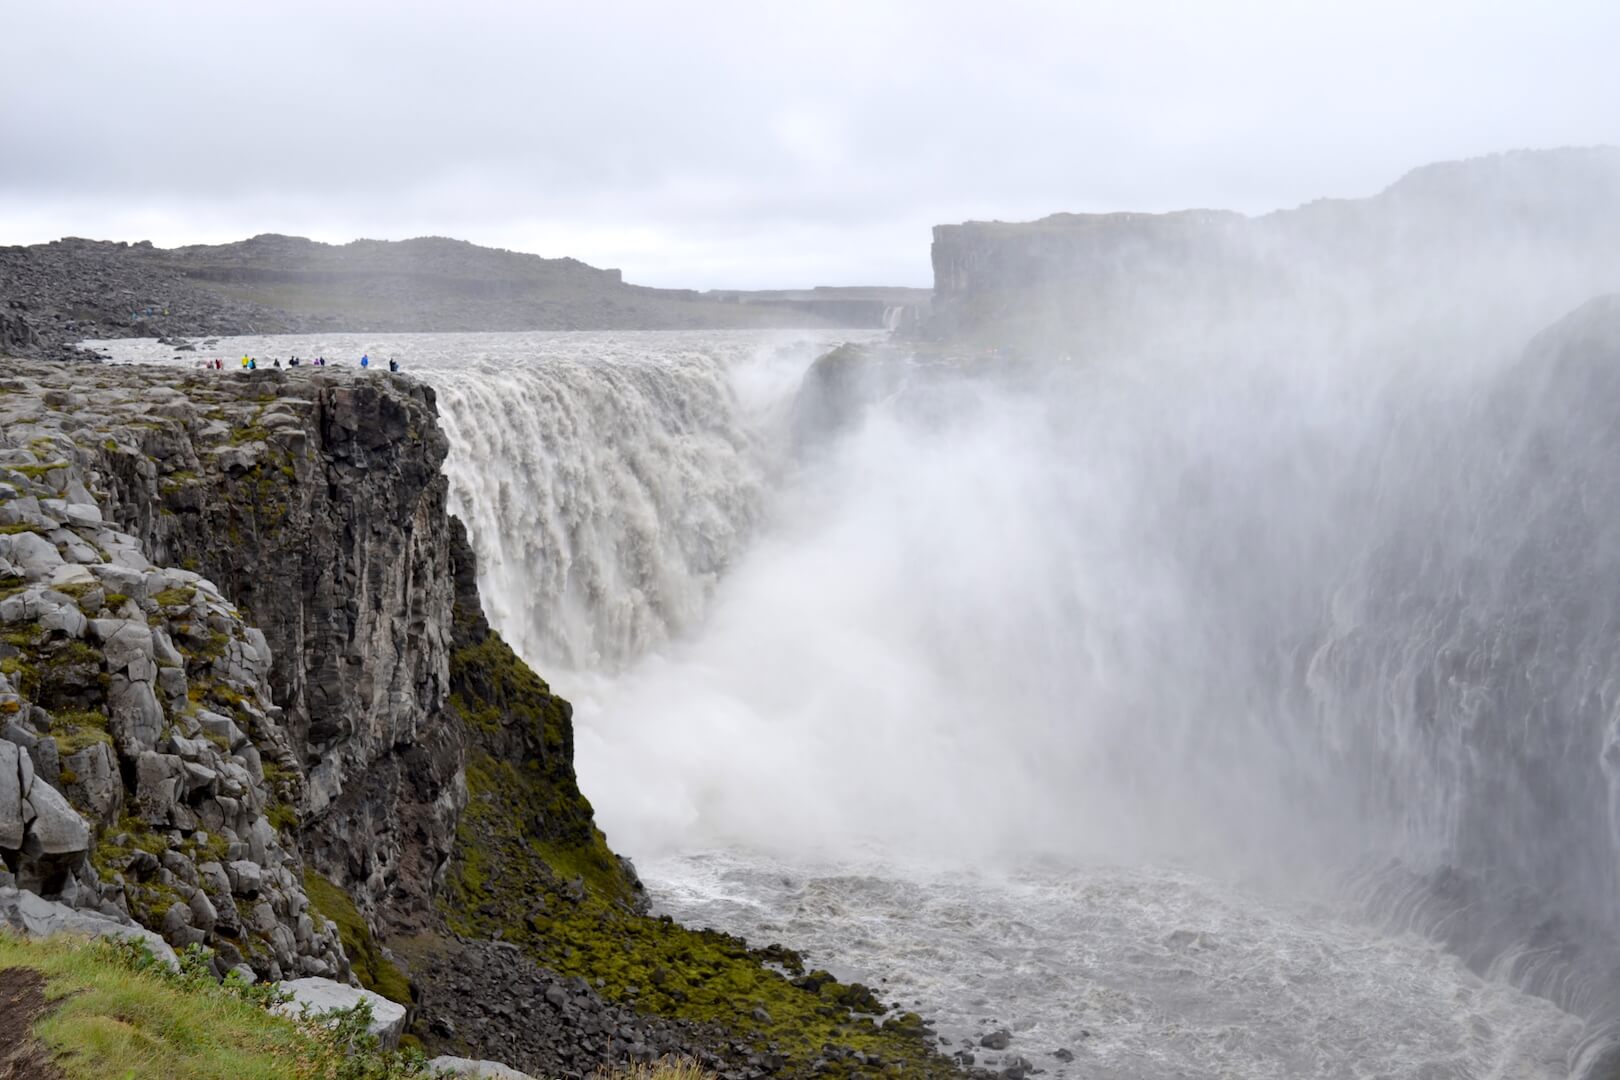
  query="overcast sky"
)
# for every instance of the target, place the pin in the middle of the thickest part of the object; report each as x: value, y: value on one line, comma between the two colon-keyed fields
x: 761, y: 143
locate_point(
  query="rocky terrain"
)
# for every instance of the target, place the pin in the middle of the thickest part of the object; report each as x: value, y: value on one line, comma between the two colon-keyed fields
x: 1438, y: 248
x: 250, y: 702
x: 53, y: 295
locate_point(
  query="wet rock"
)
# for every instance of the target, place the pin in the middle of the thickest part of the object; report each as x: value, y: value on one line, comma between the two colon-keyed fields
x: 996, y: 1040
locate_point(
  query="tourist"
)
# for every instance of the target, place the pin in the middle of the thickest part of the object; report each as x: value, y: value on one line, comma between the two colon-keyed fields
x: 393, y: 365
x: 244, y: 363
x: 253, y: 363
x: 277, y: 362
x: 365, y: 361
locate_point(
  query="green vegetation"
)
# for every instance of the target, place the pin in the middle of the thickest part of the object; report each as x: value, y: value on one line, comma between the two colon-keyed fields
x: 75, y: 730
x: 531, y: 868
x: 375, y: 971
x: 36, y: 472
x: 113, y: 1013
x: 178, y: 597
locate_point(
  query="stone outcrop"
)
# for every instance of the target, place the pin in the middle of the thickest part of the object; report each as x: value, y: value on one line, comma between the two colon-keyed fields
x: 315, y: 998
x: 33, y: 916
x: 142, y: 762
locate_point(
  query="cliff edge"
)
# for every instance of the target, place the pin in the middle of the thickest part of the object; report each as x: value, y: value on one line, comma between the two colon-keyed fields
x: 248, y: 699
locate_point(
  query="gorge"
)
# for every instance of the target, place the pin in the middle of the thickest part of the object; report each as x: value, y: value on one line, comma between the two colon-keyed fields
x: 1189, y: 654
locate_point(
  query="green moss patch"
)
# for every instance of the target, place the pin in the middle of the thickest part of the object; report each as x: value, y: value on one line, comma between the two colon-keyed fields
x: 375, y: 971
x: 532, y: 869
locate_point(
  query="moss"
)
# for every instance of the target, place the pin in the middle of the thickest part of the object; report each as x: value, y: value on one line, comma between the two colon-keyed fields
x: 282, y: 816
x: 23, y: 675
x: 177, y: 597
x: 13, y: 530
x: 11, y: 585
x: 73, y: 731
x: 531, y: 868
x: 375, y: 971
x: 116, y: 600
x: 36, y: 472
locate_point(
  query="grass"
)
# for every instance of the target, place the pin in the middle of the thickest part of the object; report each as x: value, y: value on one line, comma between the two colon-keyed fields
x: 114, y: 1019
x: 113, y: 1015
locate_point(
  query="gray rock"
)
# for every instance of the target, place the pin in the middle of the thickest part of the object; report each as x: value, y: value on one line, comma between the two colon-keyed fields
x: 100, y: 786
x: 35, y: 556
x: 176, y: 918
x: 121, y: 579
x: 996, y: 1040
x: 122, y: 641
x: 137, y: 718
x: 316, y: 997
x: 247, y: 878
x: 71, y: 574
x: 83, y: 515
x: 203, y: 914
x: 157, y: 786
x: 11, y: 798
x: 66, y: 619
x: 456, y: 1066
x: 33, y: 916
x: 57, y: 828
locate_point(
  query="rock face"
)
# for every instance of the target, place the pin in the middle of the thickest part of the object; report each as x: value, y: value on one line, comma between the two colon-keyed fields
x: 141, y: 746
x: 1442, y: 245
x: 314, y: 500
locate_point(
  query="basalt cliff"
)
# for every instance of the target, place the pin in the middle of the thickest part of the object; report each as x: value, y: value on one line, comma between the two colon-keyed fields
x: 249, y: 701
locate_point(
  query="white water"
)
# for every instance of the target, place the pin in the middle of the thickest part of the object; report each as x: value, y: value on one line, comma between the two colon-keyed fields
x: 960, y: 629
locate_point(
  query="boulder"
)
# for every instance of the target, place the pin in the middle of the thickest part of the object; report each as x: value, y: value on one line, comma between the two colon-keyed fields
x: 316, y: 997
x: 71, y: 574
x: 33, y: 916
x: 56, y: 828
x: 34, y: 555
x: 456, y: 1066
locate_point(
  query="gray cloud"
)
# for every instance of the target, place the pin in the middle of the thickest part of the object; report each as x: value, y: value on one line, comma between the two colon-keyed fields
x: 755, y: 143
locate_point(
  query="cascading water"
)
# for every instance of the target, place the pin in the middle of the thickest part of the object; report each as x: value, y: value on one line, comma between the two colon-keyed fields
x: 1104, y: 702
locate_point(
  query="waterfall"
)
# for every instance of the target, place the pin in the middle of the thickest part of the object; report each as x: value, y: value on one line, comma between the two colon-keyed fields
x: 608, y: 482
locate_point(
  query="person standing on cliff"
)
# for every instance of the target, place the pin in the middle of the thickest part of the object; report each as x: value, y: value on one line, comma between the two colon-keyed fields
x: 365, y: 361
x: 245, y: 362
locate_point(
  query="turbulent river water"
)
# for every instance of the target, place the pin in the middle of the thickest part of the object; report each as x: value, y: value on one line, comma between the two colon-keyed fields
x: 1119, y: 708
